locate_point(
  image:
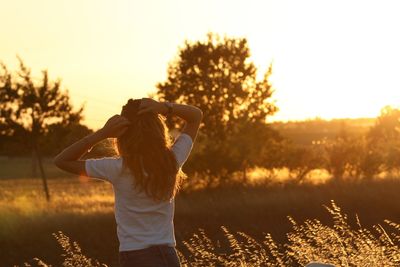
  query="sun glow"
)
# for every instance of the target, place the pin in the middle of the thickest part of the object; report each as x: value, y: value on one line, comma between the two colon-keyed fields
x: 331, y: 59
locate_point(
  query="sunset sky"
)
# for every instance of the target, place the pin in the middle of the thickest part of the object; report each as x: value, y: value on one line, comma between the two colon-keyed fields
x: 331, y: 58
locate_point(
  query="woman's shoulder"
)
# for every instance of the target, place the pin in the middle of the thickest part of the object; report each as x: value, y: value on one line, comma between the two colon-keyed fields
x: 182, y: 148
x: 108, y: 159
x: 106, y: 168
x: 183, y: 139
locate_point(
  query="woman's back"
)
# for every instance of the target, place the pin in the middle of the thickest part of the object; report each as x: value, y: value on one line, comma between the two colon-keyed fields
x: 141, y: 220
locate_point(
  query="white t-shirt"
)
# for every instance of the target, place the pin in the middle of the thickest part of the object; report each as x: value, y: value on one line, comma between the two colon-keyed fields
x: 141, y: 221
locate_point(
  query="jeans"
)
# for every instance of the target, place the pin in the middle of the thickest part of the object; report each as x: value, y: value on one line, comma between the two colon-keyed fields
x: 154, y: 256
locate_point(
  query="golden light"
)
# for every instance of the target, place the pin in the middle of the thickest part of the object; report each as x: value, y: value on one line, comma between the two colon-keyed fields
x: 331, y: 59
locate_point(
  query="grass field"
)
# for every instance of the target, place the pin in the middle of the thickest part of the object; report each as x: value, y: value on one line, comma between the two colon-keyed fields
x: 83, y: 210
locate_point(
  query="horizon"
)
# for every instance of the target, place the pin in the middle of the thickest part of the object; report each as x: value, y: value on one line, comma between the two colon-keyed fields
x: 107, y: 52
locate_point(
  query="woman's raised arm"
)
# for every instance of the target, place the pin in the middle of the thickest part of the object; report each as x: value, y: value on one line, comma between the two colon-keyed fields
x: 190, y: 114
x: 68, y: 159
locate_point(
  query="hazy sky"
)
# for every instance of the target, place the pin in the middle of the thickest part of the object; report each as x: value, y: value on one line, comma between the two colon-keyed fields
x: 331, y: 58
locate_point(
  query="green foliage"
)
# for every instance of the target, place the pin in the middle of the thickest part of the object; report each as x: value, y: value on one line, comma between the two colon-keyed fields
x: 217, y: 76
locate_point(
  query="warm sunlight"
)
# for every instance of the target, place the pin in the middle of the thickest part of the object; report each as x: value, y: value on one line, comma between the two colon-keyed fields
x: 331, y: 59
x: 338, y: 60
x: 199, y: 133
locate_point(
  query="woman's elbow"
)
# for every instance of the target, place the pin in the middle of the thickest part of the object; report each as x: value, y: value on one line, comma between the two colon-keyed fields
x: 199, y: 114
x: 57, y: 162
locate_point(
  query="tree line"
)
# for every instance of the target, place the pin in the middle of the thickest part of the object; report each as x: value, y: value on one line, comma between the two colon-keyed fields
x: 350, y: 154
x: 217, y: 75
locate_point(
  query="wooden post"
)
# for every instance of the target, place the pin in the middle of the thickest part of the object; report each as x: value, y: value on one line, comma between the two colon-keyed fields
x: 42, y: 173
x: 34, y: 164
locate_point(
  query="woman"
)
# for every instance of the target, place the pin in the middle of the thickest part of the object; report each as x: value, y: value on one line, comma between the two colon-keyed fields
x: 145, y: 177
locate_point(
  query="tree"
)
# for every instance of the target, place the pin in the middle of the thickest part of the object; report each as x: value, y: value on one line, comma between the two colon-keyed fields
x: 217, y: 76
x: 60, y: 135
x: 383, y: 142
x: 300, y: 160
x: 345, y: 154
x: 368, y: 154
x: 254, y: 144
x: 28, y: 108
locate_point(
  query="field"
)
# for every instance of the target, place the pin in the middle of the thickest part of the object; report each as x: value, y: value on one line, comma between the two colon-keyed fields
x: 83, y: 210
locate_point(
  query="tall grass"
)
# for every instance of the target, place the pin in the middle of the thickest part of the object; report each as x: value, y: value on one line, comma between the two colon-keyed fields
x: 340, y: 245
x: 310, y: 241
x: 72, y: 255
x: 83, y: 210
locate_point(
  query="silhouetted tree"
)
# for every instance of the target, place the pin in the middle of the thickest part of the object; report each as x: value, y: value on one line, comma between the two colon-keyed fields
x: 345, y: 154
x: 302, y: 159
x: 372, y: 162
x: 218, y: 76
x: 253, y: 144
x: 29, y: 107
x: 60, y: 135
x: 367, y: 155
x: 383, y: 142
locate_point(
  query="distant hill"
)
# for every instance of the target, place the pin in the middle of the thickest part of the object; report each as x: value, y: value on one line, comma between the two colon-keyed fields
x: 305, y: 132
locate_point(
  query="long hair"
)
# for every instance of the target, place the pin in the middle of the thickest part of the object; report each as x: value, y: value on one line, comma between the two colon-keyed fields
x: 145, y: 148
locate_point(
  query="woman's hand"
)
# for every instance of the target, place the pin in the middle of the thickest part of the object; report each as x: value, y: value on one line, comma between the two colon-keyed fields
x: 151, y: 105
x: 115, y: 126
